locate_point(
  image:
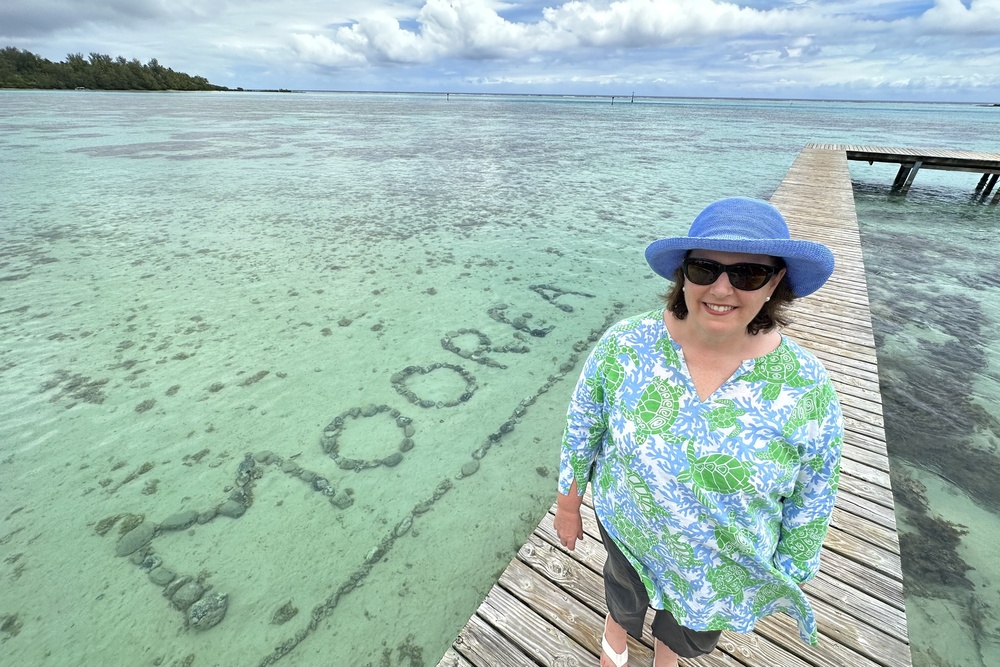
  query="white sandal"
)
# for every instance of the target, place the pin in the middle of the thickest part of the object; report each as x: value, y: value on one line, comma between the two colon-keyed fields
x: 618, y: 658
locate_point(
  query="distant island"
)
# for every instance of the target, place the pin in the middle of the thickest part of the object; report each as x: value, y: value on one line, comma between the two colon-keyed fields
x: 23, y: 69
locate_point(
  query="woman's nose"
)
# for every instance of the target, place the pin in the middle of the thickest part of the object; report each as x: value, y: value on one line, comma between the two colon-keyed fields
x: 722, y: 284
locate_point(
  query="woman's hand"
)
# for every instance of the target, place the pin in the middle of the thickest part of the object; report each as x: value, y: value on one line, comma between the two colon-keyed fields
x: 569, y: 527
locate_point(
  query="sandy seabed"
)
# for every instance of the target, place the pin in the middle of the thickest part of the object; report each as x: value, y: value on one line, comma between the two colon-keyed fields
x: 327, y: 448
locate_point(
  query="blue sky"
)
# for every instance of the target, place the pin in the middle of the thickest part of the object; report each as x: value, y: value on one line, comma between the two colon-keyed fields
x: 934, y: 50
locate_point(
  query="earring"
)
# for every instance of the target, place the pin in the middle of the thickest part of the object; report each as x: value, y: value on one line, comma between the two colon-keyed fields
x: 767, y: 299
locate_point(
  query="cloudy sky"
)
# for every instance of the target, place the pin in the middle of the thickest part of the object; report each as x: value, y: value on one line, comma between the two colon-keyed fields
x: 935, y: 50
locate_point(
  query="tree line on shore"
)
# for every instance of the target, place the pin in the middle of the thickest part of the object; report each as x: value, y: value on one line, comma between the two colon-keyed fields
x: 23, y: 69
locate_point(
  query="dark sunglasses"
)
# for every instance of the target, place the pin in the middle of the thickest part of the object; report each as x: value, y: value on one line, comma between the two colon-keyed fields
x: 743, y: 276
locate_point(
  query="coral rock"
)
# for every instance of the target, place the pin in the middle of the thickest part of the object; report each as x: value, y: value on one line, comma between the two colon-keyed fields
x: 208, y: 611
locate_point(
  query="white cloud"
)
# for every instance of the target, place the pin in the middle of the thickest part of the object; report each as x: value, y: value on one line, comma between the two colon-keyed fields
x: 324, y: 51
x: 953, y: 17
x: 633, y: 23
x: 473, y: 29
x: 532, y: 44
x: 464, y: 29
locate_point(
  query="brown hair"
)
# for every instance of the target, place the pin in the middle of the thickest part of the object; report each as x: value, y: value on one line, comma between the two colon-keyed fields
x: 772, y: 313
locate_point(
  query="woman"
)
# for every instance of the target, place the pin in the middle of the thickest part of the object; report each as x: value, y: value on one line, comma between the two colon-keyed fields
x: 712, y: 441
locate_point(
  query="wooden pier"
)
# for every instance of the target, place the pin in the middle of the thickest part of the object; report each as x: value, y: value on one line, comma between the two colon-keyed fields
x: 911, y: 161
x: 548, y: 607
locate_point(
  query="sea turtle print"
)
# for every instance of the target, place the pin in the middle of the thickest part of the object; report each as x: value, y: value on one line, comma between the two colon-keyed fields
x: 581, y: 466
x: 656, y: 410
x: 780, y: 452
x: 730, y: 580
x: 642, y: 495
x: 719, y: 473
x: 759, y: 504
x: 773, y: 531
x: 835, y: 480
x: 680, y: 584
x: 606, y: 478
x: 717, y: 622
x: 666, y: 347
x: 784, y: 455
x: 815, y: 462
x: 679, y: 549
x: 637, y: 539
x: 773, y: 591
x: 767, y: 594
x: 811, y: 406
x: 732, y: 540
x: 796, y: 498
x: 780, y: 367
x: 726, y: 416
x: 803, y: 543
x: 613, y: 371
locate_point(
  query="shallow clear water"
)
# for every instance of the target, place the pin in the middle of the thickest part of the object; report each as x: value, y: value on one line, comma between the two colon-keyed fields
x: 931, y: 259
x: 390, y: 293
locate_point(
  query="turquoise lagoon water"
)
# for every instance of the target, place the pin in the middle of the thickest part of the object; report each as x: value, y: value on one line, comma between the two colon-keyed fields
x: 382, y: 300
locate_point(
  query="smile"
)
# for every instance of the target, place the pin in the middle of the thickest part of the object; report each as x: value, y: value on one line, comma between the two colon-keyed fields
x: 719, y: 309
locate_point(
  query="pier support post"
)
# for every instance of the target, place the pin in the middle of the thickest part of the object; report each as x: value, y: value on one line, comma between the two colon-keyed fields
x: 989, y: 187
x: 897, y: 182
x: 904, y: 177
x: 982, y: 183
x: 909, y: 178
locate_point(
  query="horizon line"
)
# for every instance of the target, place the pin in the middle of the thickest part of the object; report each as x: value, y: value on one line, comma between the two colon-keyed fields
x: 604, y: 96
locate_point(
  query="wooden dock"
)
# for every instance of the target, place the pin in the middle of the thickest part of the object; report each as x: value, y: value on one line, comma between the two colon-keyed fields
x: 548, y: 607
x: 911, y: 161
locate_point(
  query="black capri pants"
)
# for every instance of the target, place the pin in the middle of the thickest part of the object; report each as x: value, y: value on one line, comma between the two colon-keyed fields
x: 627, y: 602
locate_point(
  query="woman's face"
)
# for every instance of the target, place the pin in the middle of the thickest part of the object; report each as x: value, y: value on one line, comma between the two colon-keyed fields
x: 721, y: 309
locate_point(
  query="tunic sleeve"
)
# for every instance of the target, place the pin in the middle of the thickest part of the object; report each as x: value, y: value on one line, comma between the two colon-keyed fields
x: 806, y: 513
x: 586, y: 424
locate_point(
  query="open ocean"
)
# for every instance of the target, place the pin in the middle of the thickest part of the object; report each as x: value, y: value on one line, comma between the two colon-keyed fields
x: 328, y: 341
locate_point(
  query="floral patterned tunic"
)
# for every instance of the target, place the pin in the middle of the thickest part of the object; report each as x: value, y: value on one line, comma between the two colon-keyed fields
x: 721, y: 506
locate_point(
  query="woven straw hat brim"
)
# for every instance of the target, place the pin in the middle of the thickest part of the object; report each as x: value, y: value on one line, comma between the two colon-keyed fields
x: 809, y: 264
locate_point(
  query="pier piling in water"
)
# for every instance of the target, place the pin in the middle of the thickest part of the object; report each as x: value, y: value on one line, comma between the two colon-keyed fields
x: 912, y: 160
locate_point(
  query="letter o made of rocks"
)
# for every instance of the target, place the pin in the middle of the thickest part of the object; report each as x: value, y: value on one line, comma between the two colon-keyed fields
x: 333, y: 430
x: 399, y: 379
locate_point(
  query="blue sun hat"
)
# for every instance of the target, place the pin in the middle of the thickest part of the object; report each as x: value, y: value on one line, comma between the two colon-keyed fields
x: 745, y: 225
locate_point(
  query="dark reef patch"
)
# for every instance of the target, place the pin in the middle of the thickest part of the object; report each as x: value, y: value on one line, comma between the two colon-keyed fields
x: 255, y: 378
x: 938, y: 336
x: 10, y: 625
x: 933, y: 566
x: 939, y: 568
x: 931, y: 415
x: 76, y: 387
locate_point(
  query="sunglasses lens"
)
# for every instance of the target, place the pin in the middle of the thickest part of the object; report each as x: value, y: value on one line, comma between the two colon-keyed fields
x: 702, y: 271
x: 743, y: 276
x: 749, y: 276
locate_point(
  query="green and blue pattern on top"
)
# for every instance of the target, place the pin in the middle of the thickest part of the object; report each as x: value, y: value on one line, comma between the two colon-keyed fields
x: 720, y: 505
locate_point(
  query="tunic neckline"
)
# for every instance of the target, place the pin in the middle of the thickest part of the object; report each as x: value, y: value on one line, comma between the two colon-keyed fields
x: 745, y: 366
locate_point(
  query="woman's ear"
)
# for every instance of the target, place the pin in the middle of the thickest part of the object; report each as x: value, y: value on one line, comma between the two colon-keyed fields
x: 777, y: 280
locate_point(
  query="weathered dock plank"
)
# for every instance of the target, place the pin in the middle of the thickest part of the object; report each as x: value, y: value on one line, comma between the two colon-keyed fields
x: 548, y: 606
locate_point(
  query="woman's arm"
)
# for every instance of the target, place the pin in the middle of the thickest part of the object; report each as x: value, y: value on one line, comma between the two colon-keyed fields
x: 568, y: 523
x: 806, y: 513
x: 581, y: 445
